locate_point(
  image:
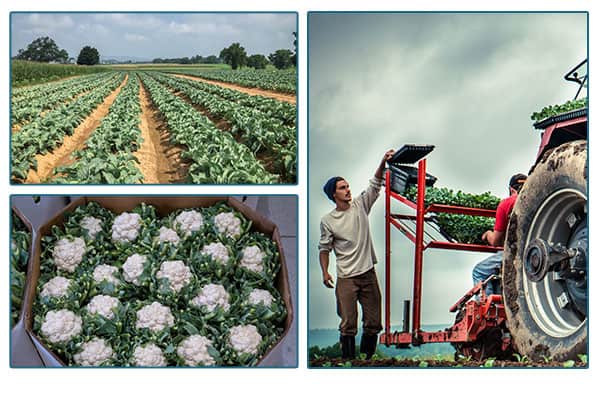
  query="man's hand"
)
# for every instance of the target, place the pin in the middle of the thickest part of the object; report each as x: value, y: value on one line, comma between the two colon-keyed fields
x: 484, y: 237
x: 379, y: 172
x: 388, y: 154
x: 327, y: 280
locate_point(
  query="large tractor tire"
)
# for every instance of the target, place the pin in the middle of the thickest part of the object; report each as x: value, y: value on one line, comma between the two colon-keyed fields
x: 545, y: 258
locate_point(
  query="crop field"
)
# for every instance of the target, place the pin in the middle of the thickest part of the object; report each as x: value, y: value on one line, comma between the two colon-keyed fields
x: 29, y: 73
x: 145, y: 126
x: 278, y: 80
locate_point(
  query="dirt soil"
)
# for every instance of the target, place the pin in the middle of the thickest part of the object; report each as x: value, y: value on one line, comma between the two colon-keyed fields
x: 160, y: 161
x: 288, y: 98
x: 408, y: 363
x: 62, y: 155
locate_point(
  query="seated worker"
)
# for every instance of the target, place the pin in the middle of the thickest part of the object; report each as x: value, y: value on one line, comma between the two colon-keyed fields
x: 492, y: 264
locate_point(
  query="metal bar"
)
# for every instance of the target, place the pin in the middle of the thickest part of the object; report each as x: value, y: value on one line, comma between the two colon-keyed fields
x: 388, y: 220
x: 410, y: 217
x: 403, y: 200
x: 463, y: 246
x: 480, y: 212
x: 404, y: 229
x: 418, y: 276
x: 570, y: 122
x: 406, y: 316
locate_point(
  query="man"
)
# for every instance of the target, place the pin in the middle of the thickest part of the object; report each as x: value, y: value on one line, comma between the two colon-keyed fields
x: 345, y: 230
x: 492, y: 264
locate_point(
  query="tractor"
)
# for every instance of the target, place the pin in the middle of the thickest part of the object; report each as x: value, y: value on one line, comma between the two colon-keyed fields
x: 542, y: 311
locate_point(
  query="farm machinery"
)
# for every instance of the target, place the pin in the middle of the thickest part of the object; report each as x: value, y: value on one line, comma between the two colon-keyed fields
x: 542, y: 310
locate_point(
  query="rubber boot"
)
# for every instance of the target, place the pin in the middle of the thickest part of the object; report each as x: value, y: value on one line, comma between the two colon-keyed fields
x: 368, y: 344
x: 348, y: 347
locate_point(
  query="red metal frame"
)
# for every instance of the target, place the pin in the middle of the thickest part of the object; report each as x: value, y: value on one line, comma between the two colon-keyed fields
x: 479, y: 314
x: 549, y: 131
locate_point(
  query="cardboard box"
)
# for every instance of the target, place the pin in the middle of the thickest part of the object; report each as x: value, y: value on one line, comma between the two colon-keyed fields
x: 164, y: 205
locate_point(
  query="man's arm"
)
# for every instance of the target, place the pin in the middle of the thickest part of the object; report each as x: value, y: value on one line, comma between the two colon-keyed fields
x: 368, y: 197
x: 494, y: 238
x: 324, y: 260
x: 379, y: 171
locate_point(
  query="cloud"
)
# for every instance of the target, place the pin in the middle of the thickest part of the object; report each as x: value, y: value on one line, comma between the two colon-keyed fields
x: 170, y: 34
x: 132, y: 37
x: 49, y: 21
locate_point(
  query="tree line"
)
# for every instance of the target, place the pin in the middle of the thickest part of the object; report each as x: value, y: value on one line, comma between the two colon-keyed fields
x: 45, y: 49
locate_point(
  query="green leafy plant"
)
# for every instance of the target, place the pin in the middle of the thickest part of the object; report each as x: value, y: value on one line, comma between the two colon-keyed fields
x: 19, y: 256
x: 583, y: 358
x: 489, y: 363
x: 462, y: 228
x: 569, y: 364
x: 550, y: 111
x: 523, y: 359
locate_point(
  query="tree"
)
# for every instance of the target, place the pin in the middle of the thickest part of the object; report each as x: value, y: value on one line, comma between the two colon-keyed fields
x: 281, y: 58
x: 88, y: 56
x: 257, y: 61
x: 43, y: 49
x: 234, y: 55
x: 295, y: 55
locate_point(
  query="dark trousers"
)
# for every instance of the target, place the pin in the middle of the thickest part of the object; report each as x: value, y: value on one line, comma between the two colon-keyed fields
x: 363, y: 289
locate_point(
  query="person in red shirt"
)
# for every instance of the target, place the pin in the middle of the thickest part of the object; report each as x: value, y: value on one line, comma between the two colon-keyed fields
x: 492, y: 264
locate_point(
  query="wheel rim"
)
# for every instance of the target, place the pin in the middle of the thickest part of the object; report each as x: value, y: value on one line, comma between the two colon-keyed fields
x: 559, y: 305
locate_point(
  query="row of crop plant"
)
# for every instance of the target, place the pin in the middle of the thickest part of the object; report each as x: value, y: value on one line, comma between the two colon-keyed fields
x: 277, y: 80
x: 31, y: 104
x: 47, y: 132
x: 259, y: 147
x: 256, y: 129
x: 216, y: 157
x: 108, y: 153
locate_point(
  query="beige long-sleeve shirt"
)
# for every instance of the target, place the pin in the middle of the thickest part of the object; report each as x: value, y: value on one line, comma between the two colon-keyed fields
x: 347, y: 233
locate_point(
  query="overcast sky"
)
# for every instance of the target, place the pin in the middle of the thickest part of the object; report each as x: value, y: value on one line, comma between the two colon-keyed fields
x: 155, y: 35
x: 466, y: 83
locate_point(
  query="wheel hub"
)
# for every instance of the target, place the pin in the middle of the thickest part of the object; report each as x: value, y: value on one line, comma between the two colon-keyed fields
x: 542, y: 257
x: 555, y: 263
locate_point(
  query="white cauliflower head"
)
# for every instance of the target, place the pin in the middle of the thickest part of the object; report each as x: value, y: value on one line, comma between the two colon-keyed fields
x: 56, y: 287
x: 252, y: 258
x: 245, y: 339
x: 68, y: 254
x: 104, y: 272
x: 167, y: 235
x: 149, y: 355
x: 61, y: 326
x: 176, y: 272
x: 217, y: 251
x: 212, y: 296
x: 133, y: 268
x: 92, y: 225
x: 93, y: 353
x: 155, y: 317
x: 189, y: 222
x: 126, y: 227
x: 260, y: 296
x: 228, y: 224
x: 103, y: 305
x: 194, y: 351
